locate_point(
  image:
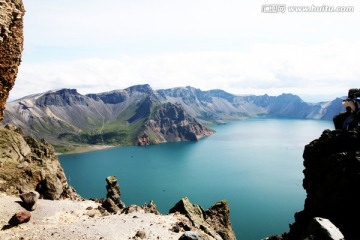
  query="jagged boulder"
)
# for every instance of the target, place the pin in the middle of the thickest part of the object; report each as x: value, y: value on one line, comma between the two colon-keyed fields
x: 218, y: 216
x: 215, y: 221
x: 11, y: 46
x: 194, y: 212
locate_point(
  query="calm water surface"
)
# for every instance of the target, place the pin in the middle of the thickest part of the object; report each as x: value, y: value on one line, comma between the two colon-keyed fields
x: 255, y: 164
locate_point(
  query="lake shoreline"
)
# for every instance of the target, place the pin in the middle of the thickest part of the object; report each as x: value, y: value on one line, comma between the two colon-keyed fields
x: 86, y: 149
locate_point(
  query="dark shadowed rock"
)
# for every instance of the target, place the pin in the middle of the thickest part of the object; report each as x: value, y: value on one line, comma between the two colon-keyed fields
x: 20, y: 218
x: 30, y: 200
x: 332, y: 183
x: 110, y: 206
x: 140, y: 235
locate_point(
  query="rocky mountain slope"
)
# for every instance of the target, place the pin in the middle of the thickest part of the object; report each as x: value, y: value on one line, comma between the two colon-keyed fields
x: 141, y: 115
x: 126, y: 117
x: 11, y: 43
x: 218, y: 106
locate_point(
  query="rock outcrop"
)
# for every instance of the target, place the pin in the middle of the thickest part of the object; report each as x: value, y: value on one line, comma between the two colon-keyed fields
x: 332, y: 183
x: 215, y: 221
x: 28, y: 164
x: 171, y: 123
x: 113, y: 203
x: 11, y: 46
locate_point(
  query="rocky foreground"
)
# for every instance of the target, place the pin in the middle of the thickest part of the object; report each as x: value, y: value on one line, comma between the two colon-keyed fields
x: 68, y: 219
x: 31, y: 170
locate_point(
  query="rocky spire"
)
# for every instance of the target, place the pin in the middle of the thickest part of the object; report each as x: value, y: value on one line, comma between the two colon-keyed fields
x: 113, y: 202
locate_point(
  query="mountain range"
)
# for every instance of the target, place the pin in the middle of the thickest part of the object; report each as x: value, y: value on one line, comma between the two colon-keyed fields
x: 139, y: 115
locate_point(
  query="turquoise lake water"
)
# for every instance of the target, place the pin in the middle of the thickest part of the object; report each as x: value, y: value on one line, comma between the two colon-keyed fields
x: 256, y: 165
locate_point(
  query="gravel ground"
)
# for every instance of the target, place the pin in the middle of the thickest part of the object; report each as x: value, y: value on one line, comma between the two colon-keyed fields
x: 67, y: 219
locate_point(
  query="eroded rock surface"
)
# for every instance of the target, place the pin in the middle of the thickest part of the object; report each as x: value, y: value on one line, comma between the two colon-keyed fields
x: 28, y: 165
x: 215, y: 221
x: 11, y: 46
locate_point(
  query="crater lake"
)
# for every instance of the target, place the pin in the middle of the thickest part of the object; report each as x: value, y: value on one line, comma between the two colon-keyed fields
x: 255, y: 164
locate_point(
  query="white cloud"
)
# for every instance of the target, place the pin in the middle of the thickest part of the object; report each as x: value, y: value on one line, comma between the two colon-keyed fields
x: 328, y: 69
x: 99, y: 46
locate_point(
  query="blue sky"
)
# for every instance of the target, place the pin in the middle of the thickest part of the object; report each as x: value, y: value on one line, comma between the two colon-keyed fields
x: 97, y: 46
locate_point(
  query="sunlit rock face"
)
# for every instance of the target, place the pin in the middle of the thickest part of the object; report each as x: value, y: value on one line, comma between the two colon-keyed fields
x: 11, y: 46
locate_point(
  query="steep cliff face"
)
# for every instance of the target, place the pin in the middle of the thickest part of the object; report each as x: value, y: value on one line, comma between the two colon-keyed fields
x: 170, y: 123
x: 11, y: 46
x: 332, y: 183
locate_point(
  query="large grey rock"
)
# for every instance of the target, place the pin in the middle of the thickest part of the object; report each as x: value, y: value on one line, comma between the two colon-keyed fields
x: 191, y: 235
x: 323, y: 229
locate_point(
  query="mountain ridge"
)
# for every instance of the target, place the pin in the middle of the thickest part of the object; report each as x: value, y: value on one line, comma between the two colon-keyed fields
x: 127, y: 116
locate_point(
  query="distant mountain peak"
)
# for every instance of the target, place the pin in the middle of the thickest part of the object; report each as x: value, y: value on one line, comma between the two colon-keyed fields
x: 140, y: 88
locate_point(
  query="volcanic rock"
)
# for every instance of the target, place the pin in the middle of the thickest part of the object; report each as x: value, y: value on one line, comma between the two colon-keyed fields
x: 30, y: 200
x: 20, y: 218
x: 215, y: 221
x: 332, y: 183
x: 113, y: 202
x: 11, y: 46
